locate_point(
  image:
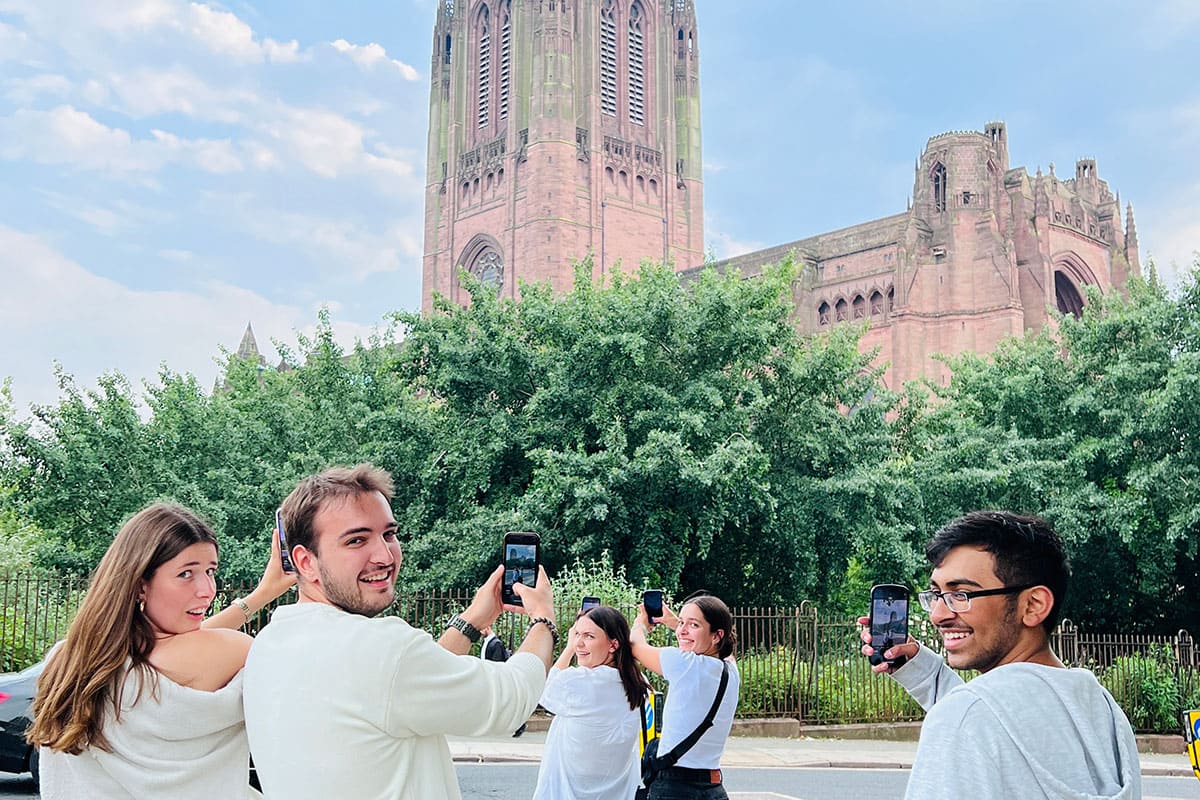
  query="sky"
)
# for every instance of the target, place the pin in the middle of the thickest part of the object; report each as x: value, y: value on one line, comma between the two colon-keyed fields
x: 172, y: 170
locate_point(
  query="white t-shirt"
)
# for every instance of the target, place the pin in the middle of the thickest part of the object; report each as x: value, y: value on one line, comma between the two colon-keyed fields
x: 592, y: 747
x: 693, y: 682
x: 342, y: 706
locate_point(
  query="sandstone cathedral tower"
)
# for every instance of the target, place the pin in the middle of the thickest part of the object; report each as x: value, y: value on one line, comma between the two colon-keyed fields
x: 559, y: 129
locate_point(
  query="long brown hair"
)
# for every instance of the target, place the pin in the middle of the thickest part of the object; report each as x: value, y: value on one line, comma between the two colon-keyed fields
x: 88, y: 669
x: 616, y: 628
x: 718, y: 617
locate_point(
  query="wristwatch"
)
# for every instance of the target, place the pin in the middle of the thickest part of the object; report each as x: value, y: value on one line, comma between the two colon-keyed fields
x: 465, y: 628
x: 549, y: 625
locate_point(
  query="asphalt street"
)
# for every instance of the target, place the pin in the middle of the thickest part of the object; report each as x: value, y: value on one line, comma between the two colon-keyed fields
x: 515, y: 781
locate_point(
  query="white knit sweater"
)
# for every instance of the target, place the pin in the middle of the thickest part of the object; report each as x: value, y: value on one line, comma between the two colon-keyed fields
x: 177, y: 743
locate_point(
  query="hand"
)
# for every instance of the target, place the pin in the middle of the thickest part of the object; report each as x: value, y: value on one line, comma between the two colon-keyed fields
x: 668, y: 618
x: 486, y: 606
x: 908, y: 650
x: 537, y: 601
x: 274, y: 580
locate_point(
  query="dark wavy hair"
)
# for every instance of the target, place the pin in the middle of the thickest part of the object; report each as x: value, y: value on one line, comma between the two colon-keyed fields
x: 616, y: 628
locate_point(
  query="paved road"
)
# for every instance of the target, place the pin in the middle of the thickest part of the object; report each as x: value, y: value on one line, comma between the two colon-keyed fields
x: 516, y: 782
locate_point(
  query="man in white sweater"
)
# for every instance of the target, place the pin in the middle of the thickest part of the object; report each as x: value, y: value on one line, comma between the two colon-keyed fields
x: 1027, y: 727
x: 342, y: 704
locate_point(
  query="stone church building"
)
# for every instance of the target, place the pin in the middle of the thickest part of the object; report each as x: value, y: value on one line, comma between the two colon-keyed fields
x: 560, y: 128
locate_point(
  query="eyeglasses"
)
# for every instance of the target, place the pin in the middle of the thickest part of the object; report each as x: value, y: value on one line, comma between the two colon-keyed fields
x: 961, y: 601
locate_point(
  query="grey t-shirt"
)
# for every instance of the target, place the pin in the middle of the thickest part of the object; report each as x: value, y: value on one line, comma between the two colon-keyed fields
x: 1023, y: 731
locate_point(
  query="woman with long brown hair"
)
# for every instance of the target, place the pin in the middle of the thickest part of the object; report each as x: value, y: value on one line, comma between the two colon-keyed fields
x: 698, y: 670
x: 591, y: 749
x: 143, y: 697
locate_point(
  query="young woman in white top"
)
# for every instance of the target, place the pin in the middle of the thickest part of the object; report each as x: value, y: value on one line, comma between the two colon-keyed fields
x: 143, y: 698
x: 704, y: 632
x: 592, y: 747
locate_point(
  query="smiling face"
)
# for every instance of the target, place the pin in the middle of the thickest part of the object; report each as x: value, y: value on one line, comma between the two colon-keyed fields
x: 359, y: 555
x: 593, y: 647
x: 178, y: 594
x: 988, y: 634
x: 694, y: 634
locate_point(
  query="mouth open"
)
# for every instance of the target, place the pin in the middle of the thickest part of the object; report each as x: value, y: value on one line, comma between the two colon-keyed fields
x: 954, y: 638
x: 379, y: 578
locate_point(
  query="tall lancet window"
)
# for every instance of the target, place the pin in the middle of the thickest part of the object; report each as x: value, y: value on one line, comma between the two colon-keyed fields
x: 485, y: 66
x: 505, y: 56
x: 637, y: 64
x: 608, y: 59
x: 938, y: 176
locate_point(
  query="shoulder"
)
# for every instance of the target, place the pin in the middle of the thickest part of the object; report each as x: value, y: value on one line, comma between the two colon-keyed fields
x: 205, y: 659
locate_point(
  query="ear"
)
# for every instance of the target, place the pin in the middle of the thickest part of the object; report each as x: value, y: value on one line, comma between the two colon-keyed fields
x: 306, y: 564
x: 1039, y: 601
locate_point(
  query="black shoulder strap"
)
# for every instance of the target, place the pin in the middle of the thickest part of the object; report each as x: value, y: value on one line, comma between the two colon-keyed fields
x: 680, y: 749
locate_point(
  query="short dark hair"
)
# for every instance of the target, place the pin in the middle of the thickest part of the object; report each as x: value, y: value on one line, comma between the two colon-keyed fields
x: 1026, y: 550
x: 301, y: 506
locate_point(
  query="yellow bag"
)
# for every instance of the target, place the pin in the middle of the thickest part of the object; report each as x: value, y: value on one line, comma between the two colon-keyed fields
x: 649, y: 722
x: 1191, y: 734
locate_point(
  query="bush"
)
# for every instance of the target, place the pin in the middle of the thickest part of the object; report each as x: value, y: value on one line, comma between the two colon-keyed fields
x: 1147, y: 689
x: 848, y: 692
x: 771, y: 680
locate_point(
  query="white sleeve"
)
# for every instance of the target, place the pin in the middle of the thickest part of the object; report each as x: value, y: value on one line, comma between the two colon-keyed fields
x: 435, y: 691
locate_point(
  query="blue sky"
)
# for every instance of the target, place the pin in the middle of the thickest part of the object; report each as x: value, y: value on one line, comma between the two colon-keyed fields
x: 171, y: 170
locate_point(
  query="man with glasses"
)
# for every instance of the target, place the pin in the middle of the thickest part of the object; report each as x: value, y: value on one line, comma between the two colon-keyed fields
x: 1027, y: 727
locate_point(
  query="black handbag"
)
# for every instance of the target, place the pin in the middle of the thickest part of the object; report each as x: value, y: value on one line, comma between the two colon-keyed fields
x: 653, y: 764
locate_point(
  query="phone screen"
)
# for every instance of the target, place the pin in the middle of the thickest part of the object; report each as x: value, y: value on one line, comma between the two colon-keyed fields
x: 889, y: 619
x: 520, y: 564
x: 652, y: 599
x: 285, y: 554
x: 589, y: 602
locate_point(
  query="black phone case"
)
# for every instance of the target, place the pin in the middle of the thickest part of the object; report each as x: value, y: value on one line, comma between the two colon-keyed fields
x: 892, y: 591
x: 507, y: 595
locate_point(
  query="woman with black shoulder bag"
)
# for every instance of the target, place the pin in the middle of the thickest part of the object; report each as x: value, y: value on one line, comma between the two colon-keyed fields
x: 702, y: 696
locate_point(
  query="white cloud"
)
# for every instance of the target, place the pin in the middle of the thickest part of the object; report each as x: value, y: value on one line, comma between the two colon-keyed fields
x: 725, y: 245
x: 68, y: 136
x: 338, y: 246
x: 369, y: 56
x: 24, y: 91
x: 62, y: 312
x: 223, y: 33
x: 149, y: 92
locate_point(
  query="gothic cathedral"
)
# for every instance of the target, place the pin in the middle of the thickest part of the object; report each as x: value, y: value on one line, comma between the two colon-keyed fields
x: 560, y: 129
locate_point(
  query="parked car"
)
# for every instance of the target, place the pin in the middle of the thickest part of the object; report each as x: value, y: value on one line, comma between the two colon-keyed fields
x: 16, y: 702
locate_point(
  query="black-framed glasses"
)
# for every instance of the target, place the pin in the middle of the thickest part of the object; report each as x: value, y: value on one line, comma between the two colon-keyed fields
x: 961, y: 601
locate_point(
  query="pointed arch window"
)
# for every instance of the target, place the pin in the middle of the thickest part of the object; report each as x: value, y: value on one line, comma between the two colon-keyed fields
x: 505, y: 56
x: 938, y: 176
x: 484, y: 77
x: 637, y: 64
x: 608, y: 58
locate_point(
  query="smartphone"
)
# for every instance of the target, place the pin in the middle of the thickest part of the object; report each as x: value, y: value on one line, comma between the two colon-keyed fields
x: 589, y: 602
x: 889, y: 620
x: 652, y: 599
x: 285, y: 553
x: 522, y: 556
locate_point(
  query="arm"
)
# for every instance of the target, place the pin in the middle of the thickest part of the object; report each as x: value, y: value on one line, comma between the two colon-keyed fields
x: 925, y: 676
x: 273, y: 583
x: 564, y: 658
x: 646, y: 653
x: 538, y: 602
x: 482, y: 613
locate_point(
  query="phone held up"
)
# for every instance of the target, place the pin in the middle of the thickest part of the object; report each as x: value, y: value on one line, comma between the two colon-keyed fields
x: 522, y: 557
x: 589, y: 601
x: 285, y: 553
x: 889, y: 621
x: 652, y: 601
